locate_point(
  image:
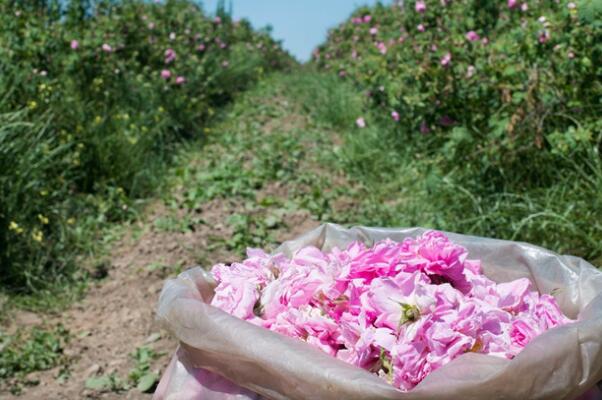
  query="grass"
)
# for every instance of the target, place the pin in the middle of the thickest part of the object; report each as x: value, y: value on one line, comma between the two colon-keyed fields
x: 27, y: 351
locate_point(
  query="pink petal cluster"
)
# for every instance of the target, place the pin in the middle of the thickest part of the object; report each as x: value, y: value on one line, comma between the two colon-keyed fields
x: 420, y: 6
x: 165, y: 74
x: 400, y: 310
x: 170, y: 56
x: 472, y: 36
x: 446, y: 59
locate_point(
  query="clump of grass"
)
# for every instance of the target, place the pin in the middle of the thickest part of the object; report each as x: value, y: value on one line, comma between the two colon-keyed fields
x: 326, y: 98
x: 28, y: 351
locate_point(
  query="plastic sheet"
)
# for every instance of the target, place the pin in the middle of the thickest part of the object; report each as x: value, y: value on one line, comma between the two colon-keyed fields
x: 222, y: 357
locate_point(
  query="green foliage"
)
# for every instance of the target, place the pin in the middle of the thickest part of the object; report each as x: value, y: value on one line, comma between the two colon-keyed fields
x: 34, y: 350
x: 89, y: 116
x: 496, y: 102
x: 140, y: 376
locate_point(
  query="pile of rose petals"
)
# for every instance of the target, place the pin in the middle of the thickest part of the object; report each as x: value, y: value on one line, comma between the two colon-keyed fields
x: 400, y: 310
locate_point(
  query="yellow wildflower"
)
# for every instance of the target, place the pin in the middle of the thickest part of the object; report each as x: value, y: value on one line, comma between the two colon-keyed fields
x: 97, y: 120
x: 43, y: 219
x: 37, y: 235
x: 71, y: 221
x: 32, y: 105
x: 13, y: 226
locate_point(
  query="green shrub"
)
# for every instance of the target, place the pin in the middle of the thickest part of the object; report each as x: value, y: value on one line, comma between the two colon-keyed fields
x: 492, y: 84
x: 94, y: 97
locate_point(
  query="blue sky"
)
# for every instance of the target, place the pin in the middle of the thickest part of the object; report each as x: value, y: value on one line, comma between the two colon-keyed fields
x: 300, y: 24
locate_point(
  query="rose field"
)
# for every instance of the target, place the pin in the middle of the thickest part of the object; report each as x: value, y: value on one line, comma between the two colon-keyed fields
x: 139, y: 139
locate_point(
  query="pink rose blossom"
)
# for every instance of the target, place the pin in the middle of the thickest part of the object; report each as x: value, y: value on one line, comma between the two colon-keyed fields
x: 395, y: 116
x: 446, y: 59
x: 367, y: 18
x: 360, y: 122
x: 373, y: 31
x: 382, y: 48
x: 180, y: 80
x: 201, y: 47
x: 512, y: 4
x: 74, y: 45
x: 524, y: 7
x: 165, y: 74
x: 420, y: 6
x: 421, y: 28
x: 522, y: 333
x: 106, y: 48
x: 170, y: 56
x: 472, y: 36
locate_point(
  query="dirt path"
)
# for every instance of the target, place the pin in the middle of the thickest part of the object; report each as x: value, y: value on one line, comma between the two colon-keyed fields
x: 210, y: 214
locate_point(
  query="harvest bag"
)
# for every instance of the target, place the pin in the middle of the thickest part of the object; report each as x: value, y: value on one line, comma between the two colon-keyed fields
x: 222, y: 357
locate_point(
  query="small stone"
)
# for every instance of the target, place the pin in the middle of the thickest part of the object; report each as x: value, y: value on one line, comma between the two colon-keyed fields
x: 93, y: 370
x: 153, y: 337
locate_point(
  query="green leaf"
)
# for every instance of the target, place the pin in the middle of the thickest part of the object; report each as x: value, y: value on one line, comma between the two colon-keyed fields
x: 99, y: 383
x: 147, y: 382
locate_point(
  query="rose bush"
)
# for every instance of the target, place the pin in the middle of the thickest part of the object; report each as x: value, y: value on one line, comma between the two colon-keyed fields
x: 106, y: 89
x: 494, y: 84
